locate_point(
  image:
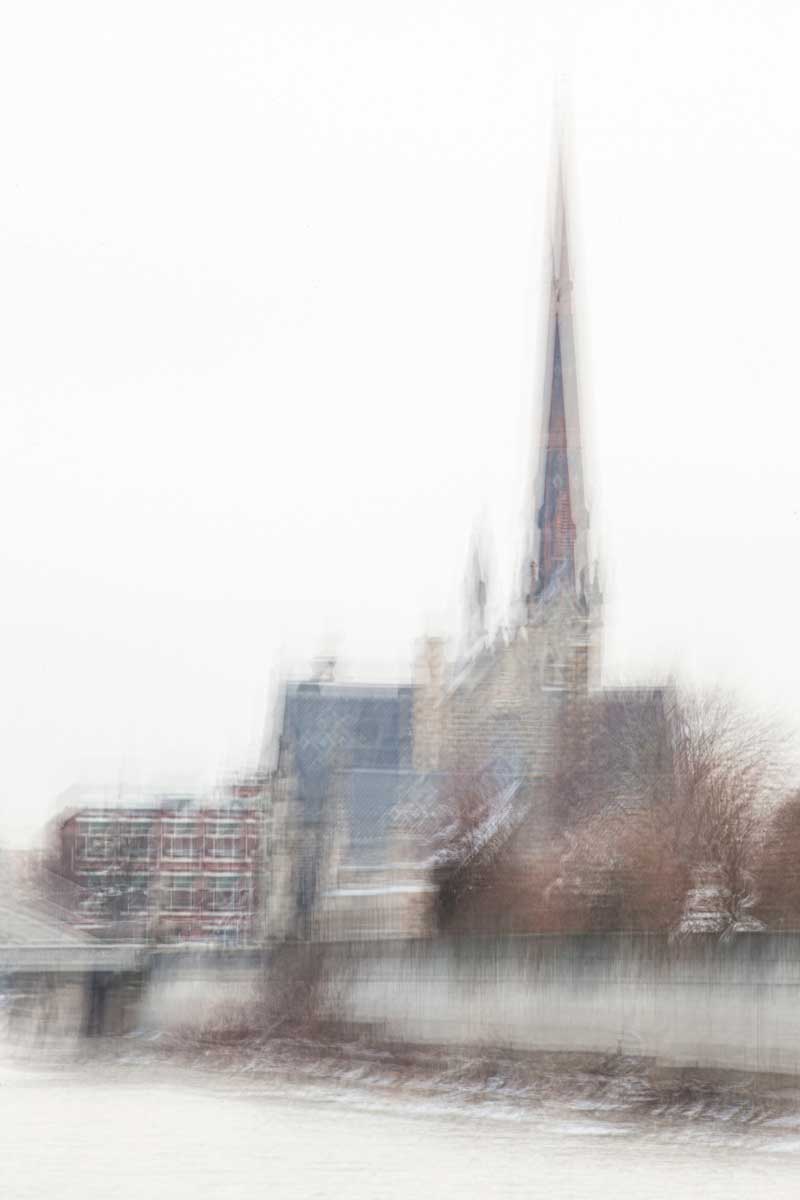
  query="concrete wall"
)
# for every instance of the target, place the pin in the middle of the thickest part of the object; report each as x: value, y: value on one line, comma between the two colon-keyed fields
x: 59, y: 1006
x: 41, y: 1009
x: 695, y: 1002
x: 187, y: 991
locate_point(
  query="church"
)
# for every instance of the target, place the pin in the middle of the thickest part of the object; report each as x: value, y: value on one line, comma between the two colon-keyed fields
x: 376, y: 788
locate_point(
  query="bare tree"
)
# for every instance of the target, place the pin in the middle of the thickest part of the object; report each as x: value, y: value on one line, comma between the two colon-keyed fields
x: 688, y: 855
x: 657, y: 812
x: 778, y: 867
x: 461, y: 863
x: 728, y: 772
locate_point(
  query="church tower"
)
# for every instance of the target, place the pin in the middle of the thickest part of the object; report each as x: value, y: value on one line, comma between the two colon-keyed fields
x: 502, y: 705
x: 562, y: 604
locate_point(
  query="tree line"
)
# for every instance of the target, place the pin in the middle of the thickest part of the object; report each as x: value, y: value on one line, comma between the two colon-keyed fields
x: 666, y: 811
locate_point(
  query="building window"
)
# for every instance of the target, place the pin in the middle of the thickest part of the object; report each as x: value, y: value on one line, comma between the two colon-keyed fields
x: 180, y: 893
x: 136, y: 845
x: 224, y: 840
x: 180, y: 839
x: 554, y: 673
x: 95, y: 840
x: 133, y: 899
x: 227, y: 893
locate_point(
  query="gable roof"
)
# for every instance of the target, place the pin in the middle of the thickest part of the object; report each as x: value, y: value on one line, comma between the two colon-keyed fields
x: 328, y: 727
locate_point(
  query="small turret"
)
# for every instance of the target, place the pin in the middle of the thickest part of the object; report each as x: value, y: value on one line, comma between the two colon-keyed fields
x: 475, y: 595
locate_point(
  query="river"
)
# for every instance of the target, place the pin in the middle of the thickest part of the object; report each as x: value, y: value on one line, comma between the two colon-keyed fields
x: 120, y: 1132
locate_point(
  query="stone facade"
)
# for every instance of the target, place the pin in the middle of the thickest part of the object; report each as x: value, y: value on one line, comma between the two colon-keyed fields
x: 504, y: 705
x: 368, y: 830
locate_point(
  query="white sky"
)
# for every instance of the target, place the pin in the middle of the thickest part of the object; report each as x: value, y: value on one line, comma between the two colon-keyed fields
x: 269, y: 295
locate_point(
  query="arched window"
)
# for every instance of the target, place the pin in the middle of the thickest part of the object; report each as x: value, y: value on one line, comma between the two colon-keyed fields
x: 554, y: 674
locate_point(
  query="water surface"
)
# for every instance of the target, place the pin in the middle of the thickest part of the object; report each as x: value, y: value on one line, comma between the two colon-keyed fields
x: 128, y: 1133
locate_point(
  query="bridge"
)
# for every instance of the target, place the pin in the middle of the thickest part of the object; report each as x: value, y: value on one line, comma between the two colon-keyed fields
x: 58, y: 975
x: 33, y: 942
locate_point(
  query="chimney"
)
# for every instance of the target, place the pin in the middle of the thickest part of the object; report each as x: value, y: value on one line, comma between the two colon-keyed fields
x: 323, y: 670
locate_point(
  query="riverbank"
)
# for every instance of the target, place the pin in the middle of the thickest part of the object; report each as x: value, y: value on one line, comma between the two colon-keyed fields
x: 122, y: 1122
x: 502, y: 1083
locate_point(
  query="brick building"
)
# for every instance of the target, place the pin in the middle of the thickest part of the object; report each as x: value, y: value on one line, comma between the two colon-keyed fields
x: 169, y: 871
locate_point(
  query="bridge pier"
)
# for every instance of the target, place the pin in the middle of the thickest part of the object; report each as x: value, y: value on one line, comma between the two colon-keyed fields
x: 97, y: 987
x: 112, y: 1002
x: 62, y: 982
x: 58, y: 1004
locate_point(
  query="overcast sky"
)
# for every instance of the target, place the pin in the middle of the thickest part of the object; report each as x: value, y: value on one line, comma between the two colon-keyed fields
x: 270, y: 300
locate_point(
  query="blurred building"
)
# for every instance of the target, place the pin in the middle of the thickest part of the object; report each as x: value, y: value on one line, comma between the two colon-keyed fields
x: 330, y: 734
x: 174, y: 870
x: 370, y: 783
x: 502, y: 703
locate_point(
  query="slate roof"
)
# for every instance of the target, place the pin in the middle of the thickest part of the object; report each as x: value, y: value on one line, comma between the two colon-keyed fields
x: 370, y: 799
x: 328, y: 727
x: 378, y: 805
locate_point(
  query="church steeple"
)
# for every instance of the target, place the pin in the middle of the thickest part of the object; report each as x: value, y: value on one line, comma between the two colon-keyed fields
x: 556, y: 528
x: 559, y: 560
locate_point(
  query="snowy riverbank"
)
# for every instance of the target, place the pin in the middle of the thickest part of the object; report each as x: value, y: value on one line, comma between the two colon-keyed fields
x: 620, y: 1091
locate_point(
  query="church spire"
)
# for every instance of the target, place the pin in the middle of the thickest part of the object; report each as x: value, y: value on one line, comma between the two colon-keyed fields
x: 559, y: 560
x: 476, y: 591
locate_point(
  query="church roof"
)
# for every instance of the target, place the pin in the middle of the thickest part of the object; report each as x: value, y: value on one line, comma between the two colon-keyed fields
x: 379, y: 805
x: 329, y: 726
